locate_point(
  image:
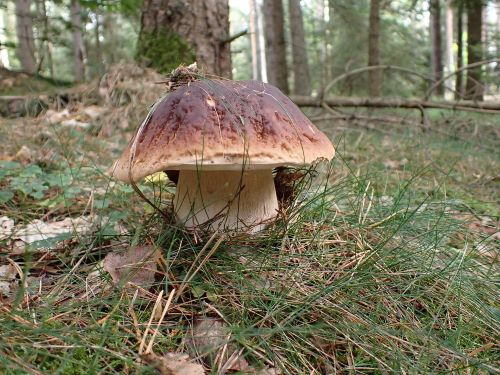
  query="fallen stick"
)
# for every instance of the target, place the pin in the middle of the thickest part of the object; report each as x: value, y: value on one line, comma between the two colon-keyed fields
x: 340, y: 101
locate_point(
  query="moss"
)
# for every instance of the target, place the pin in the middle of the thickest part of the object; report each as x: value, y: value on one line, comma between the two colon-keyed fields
x: 164, y: 50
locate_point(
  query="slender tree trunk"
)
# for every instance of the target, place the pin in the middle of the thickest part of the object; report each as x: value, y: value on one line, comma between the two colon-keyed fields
x: 331, y: 35
x: 277, y: 73
x: 46, y: 38
x: 459, y: 87
x: 497, y: 32
x: 254, y: 41
x: 474, y: 88
x: 175, y: 32
x: 262, y: 42
x: 97, y: 37
x: 108, y: 27
x: 78, y: 46
x: 4, y: 55
x: 26, y: 41
x: 374, y: 76
x: 450, y: 58
x: 301, y: 76
x: 436, y: 42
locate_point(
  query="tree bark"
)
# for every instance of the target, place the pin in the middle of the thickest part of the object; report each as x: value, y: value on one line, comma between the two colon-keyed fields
x: 374, y: 76
x: 450, y: 58
x: 301, y: 76
x: 277, y: 73
x: 46, y: 42
x: 436, y: 43
x: 78, y: 46
x: 497, y: 31
x: 26, y: 41
x: 474, y: 87
x: 254, y: 41
x: 175, y: 32
x: 97, y: 37
x: 459, y: 87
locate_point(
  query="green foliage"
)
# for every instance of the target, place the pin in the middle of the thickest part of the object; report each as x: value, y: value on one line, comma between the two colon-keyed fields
x: 33, y: 182
x: 164, y: 50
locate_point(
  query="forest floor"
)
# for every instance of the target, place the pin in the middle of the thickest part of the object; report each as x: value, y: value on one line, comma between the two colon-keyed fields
x: 386, y: 262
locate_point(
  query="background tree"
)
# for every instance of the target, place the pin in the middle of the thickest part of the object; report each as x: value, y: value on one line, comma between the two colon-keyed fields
x: 276, y: 67
x: 474, y: 87
x: 436, y: 43
x: 25, y: 38
x: 78, y: 46
x: 301, y: 77
x: 374, y: 76
x: 177, y: 32
x: 254, y: 40
x: 460, y: 49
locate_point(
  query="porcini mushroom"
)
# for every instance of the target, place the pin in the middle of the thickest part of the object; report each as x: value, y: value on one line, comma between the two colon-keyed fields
x: 224, y: 138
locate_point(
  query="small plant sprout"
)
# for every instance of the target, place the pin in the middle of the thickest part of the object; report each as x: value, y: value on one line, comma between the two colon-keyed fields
x: 224, y: 138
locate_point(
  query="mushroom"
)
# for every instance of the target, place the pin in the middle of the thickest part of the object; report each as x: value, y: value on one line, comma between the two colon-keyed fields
x: 225, y: 138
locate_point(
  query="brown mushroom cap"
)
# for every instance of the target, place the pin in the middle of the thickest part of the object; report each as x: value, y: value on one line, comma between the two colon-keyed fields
x: 220, y: 125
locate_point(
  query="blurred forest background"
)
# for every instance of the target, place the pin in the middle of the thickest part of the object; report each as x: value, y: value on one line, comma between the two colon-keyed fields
x: 299, y: 46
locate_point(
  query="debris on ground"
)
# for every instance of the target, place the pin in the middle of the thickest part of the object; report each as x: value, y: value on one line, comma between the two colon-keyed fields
x: 138, y: 265
x: 18, y: 237
x: 173, y: 364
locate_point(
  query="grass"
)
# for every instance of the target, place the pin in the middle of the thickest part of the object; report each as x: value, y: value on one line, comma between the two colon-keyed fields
x: 375, y: 268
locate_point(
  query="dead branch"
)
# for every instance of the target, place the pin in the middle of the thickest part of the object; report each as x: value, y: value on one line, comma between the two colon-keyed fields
x: 376, y: 67
x: 232, y: 38
x: 463, y: 105
x: 429, y: 92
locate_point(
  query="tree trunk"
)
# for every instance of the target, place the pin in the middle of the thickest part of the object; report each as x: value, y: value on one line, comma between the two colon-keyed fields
x: 474, y: 87
x: 277, y: 73
x: 459, y: 87
x: 78, y: 46
x: 450, y: 58
x: 254, y: 41
x: 97, y: 37
x: 175, y: 32
x: 301, y: 77
x: 4, y: 55
x: 374, y: 76
x: 436, y: 42
x: 26, y: 41
x: 46, y: 38
x: 497, y: 31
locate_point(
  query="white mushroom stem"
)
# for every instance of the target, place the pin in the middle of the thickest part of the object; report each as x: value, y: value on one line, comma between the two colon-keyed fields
x: 231, y: 199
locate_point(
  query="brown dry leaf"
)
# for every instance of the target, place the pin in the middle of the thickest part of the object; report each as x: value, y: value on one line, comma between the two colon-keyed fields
x: 137, y: 265
x: 395, y: 164
x: 209, y: 339
x: 6, y: 227
x: 8, y: 275
x: 173, y: 364
x: 268, y: 371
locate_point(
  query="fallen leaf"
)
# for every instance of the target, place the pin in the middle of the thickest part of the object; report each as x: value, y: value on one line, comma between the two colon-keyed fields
x: 137, y: 265
x: 8, y: 275
x: 209, y: 337
x: 173, y: 364
x: 24, y: 155
x: 6, y: 227
x: 21, y: 235
x: 93, y: 111
x: 395, y: 164
x: 54, y: 117
x: 75, y: 123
